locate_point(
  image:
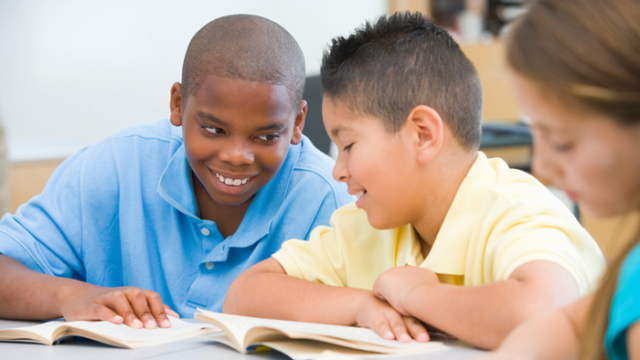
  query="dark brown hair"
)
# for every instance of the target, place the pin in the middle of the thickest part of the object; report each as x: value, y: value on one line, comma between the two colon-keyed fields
x: 585, y: 52
x: 389, y: 66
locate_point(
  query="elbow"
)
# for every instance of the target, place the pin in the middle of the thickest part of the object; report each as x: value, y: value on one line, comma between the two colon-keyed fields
x: 233, y: 299
x: 491, y: 339
x: 519, y: 312
x: 247, y: 292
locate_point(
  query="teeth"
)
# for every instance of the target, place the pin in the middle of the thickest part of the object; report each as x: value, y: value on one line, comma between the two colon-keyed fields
x: 231, y: 182
x: 359, y: 194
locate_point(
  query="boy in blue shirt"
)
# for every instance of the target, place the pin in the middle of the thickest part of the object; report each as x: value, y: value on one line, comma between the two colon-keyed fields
x: 159, y: 217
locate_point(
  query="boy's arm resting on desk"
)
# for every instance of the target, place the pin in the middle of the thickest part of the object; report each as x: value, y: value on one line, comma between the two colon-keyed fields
x: 265, y: 290
x: 547, y: 336
x: 29, y: 295
x: 481, y: 315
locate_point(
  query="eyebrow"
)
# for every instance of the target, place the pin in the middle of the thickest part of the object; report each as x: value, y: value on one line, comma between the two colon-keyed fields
x: 213, y: 119
x: 336, y: 130
x: 277, y: 127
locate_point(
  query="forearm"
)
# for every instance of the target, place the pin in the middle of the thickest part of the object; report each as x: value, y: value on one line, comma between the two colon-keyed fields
x: 29, y: 295
x: 480, y: 315
x: 273, y: 294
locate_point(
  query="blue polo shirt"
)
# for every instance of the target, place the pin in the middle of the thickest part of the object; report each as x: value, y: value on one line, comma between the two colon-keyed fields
x: 122, y: 212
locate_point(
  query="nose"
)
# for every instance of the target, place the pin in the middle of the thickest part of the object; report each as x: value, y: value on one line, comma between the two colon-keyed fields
x: 340, y: 171
x: 543, y: 163
x: 237, y: 153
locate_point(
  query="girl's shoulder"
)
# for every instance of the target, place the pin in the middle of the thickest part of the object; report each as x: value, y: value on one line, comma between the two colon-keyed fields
x: 631, y: 266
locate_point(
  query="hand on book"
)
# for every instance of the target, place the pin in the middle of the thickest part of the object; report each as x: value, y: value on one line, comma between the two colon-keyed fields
x: 397, y: 285
x: 379, y: 316
x: 135, y: 307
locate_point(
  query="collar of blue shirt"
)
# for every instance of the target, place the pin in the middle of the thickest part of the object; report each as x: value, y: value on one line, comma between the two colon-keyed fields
x: 256, y: 224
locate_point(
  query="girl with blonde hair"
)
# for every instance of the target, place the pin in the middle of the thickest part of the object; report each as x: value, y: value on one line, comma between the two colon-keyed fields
x: 576, y: 66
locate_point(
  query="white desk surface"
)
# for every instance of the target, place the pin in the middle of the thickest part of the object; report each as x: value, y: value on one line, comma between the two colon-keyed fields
x: 192, y: 349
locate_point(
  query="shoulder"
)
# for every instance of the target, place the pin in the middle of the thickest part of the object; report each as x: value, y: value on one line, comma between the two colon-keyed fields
x: 314, y: 162
x: 145, y: 144
x: 630, y: 271
x: 518, y: 189
x: 528, y: 219
x: 315, y: 169
x: 518, y: 204
x: 628, y: 292
x: 134, y: 155
x: 160, y: 131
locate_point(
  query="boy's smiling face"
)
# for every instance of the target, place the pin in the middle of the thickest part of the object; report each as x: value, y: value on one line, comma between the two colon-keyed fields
x: 378, y: 167
x: 236, y: 134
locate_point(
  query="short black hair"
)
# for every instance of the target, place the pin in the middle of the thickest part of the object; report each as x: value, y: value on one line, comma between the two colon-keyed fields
x: 391, y: 65
x: 245, y: 47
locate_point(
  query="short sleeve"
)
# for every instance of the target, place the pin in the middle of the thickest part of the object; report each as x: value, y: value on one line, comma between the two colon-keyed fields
x: 45, y: 233
x: 319, y: 259
x: 625, y: 307
x: 533, y: 234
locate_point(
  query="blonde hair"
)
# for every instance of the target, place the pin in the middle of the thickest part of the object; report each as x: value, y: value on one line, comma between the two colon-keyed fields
x: 585, y: 51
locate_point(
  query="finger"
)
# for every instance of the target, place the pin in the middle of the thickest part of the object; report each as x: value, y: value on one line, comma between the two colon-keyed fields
x: 379, y: 296
x: 119, y: 303
x: 157, y: 308
x: 103, y: 313
x: 416, y: 329
x: 383, y: 329
x: 398, y: 327
x: 138, y: 300
x: 169, y: 311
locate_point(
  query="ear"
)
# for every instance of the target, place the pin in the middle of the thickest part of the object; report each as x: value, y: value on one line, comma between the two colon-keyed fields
x: 428, y: 132
x: 175, y: 104
x: 298, y: 123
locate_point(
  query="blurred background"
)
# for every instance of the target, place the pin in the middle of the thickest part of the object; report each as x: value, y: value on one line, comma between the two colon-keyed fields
x: 76, y: 71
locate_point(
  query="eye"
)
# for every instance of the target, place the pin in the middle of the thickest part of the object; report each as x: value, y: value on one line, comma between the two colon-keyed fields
x: 562, y: 147
x: 268, y: 137
x: 213, y: 130
x: 348, y: 147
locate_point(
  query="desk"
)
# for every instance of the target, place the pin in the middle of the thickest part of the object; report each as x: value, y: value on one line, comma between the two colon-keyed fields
x: 194, y: 348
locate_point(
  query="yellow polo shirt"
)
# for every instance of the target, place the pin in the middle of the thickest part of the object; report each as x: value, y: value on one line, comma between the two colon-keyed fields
x: 500, y: 219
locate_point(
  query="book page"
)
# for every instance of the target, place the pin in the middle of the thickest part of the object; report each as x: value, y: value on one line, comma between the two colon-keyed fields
x: 126, y: 334
x: 242, y: 324
x: 298, y: 349
x: 42, y: 332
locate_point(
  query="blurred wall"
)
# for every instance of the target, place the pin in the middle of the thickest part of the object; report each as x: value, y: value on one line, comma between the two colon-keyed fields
x: 74, y: 71
x: 4, y: 174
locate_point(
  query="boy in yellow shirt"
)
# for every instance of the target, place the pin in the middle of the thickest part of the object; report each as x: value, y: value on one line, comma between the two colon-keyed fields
x: 439, y: 235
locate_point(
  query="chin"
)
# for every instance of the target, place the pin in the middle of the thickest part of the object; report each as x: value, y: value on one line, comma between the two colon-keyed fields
x: 231, y: 202
x: 380, y: 221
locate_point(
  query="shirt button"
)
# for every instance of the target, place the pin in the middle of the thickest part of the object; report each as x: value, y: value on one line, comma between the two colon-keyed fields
x: 205, y: 231
x: 209, y: 265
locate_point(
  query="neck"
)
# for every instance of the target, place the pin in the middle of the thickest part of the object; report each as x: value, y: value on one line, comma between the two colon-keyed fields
x: 226, y: 217
x: 440, y: 193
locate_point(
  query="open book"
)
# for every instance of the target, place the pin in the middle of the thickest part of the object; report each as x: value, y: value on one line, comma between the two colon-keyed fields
x: 105, y: 332
x: 300, y: 340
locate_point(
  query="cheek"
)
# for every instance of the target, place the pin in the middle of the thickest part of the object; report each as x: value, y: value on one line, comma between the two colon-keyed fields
x: 594, y: 166
x: 197, y: 145
x: 272, y: 157
x: 364, y: 167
